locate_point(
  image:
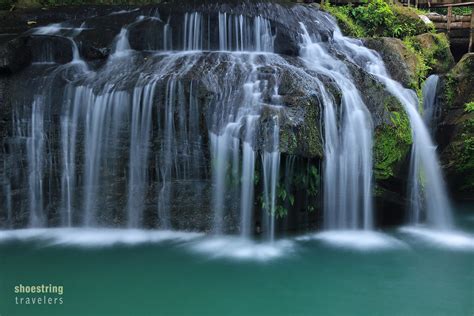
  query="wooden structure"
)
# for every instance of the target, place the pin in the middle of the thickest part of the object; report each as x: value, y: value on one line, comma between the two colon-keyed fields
x: 420, y: 3
x: 460, y: 28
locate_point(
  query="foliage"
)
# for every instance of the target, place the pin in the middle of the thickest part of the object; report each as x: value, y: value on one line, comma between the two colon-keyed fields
x: 469, y: 107
x: 433, y: 55
x: 6, y: 4
x: 305, y: 182
x: 422, y: 67
x: 284, y: 198
x: 467, y: 10
x: 464, y: 149
x: 377, y: 18
x: 450, y: 89
x: 343, y: 16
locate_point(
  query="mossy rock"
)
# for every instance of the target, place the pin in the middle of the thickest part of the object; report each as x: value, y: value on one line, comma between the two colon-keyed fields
x: 459, y: 83
x: 392, y: 141
x: 456, y: 132
x: 436, y: 52
x: 401, y: 62
x: 409, y: 17
x: 458, y: 157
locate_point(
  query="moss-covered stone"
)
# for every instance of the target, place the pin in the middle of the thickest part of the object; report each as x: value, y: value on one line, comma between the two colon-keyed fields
x: 459, y: 156
x: 459, y: 83
x: 392, y: 141
x: 436, y: 52
x: 457, y: 126
x: 346, y: 23
x: 378, y: 18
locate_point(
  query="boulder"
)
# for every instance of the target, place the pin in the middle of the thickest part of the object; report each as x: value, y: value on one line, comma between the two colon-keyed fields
x: 435, y: 51
x: 401, y: 63
x: 456, y: 130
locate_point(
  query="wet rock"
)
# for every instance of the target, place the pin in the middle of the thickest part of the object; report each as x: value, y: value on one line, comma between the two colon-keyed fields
x: 401, y: 63
x: 456, y: 128
x: 435, y: 50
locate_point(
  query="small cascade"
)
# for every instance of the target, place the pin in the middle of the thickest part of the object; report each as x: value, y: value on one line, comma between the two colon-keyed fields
x: 193, y: 31
x: 347, y: 143
x: 430, y: 104
x: 36, y: 160
x: 271, y: 170
x: 167, y: 37
x: 69, y: 122
x: 240, y: 33
x: 103, y: 119
x: 122, y: 46
x: 427, y: 193
x: 46, y: 52
x: 142, y: 103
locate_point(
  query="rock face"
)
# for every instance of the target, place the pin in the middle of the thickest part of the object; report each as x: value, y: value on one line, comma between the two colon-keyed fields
x: 399, y: 60
x: 71, y: 93
x: 435, y: 50
x: 456, y: 132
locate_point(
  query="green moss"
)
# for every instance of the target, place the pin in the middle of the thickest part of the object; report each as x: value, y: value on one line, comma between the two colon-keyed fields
x: 469, y: 107
x: 464, y: 150
x: 432, y: 53
x: 378, y: 18
x: 391, y: 143
x: 422, y: 67
x: 449, y: 90
x: 342, y: 14
x: 288, y: 140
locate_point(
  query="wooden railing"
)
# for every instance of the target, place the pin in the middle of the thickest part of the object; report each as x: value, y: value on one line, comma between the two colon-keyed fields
x: 451, y: 22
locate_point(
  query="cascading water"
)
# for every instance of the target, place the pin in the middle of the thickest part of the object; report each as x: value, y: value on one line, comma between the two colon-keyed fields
x: 148, y: 127
x: 35, y: 162
x: 348, y: 148
x: 271, y: 168
x: 117, y: 121
x: 430, y: 104
x: 427, y: 192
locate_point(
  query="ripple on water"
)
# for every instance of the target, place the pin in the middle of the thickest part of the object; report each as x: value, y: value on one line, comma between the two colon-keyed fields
x: 241, y: 248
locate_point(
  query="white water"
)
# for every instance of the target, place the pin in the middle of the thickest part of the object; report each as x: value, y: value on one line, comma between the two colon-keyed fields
x: 427, y: 194
x: 347, y: 142
x: 240, y: 33
x: 271, y: 173
x: 35, y: 162
x: 151, y: 107
x: 122, y: 45
x: 142, y: 103
x: 430, y: 104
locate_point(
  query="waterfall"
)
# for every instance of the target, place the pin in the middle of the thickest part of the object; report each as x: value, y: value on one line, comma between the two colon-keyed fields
x: 193, y: 31
x: 271, y: 169
x: 139, y: 147
x: 102, y: 122
x: 35, y: 162
x: 347, y: 144
x: 430, y: 104
x: 69, y: 122
x: 240, y: 33
x: 427, y: 192
x: 150, y: 135
x: 122, y: 45
x: 167, y: 37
